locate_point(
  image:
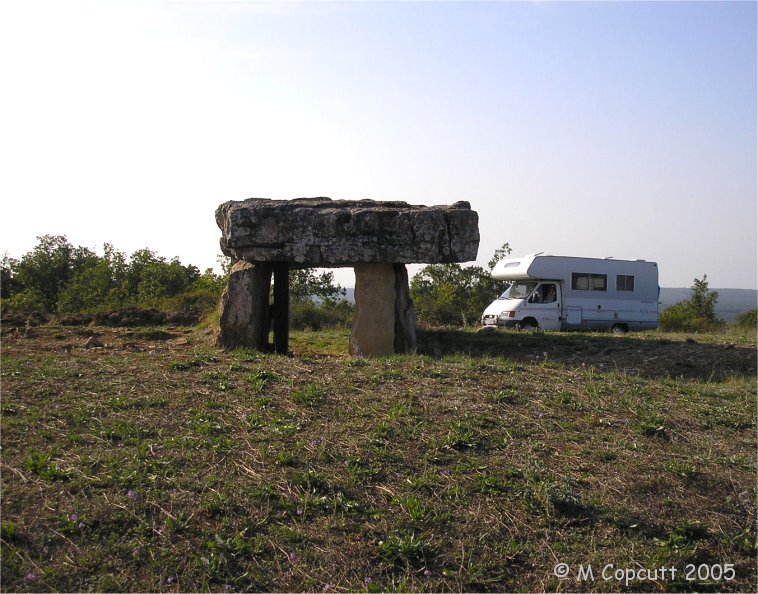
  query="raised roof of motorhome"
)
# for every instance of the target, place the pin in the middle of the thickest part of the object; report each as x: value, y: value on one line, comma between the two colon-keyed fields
x: 538, y: 266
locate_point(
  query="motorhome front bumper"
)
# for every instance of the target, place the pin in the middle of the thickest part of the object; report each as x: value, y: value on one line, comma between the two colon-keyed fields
x: 495, y: 320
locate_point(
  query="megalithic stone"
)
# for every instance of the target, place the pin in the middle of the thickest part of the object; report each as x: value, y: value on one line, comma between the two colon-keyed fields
x: 374, y: 325
x: 405, y: 313
x: 245, y: 317
x: 376, y: 238
x: 319, y: 232
x: 281, y: 308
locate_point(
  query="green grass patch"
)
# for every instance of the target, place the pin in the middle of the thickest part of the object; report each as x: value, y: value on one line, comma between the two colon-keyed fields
x: 154, y: 464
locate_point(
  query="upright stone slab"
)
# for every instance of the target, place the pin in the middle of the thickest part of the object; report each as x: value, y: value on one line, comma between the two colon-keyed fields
x: 385, y: 320
x: 280, y: 309
x: 245, y: 312
x: 405, y: 313
x: 374, y: 326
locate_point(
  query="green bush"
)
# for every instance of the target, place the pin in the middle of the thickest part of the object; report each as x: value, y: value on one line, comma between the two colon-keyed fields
x: 198, y: 300
x: 747, y: 319
x: 453, y: 295
x: 680, y: 317
x: 696, y: 314
x: 49, y: 267
x: 27, y: 301
x: 306, y: 314
x: 87, y: 290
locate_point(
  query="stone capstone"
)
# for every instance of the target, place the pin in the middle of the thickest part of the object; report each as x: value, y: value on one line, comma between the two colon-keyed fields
x: 323, y: 232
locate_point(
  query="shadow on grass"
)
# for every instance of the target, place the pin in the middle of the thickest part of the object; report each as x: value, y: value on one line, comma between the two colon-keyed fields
x: 645, y: 356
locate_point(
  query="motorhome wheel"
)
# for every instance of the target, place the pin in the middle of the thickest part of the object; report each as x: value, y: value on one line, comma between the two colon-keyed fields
x: 528, y: 324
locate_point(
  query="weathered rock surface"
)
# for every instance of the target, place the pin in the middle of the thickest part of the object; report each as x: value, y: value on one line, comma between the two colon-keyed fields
x: 374, y: 326
x: 385, y: 319
x: 325, y: 232
x: 405, y: 313
x: 244, y: 307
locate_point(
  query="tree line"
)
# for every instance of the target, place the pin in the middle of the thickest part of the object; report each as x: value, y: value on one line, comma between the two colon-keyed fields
x: 57, y: 277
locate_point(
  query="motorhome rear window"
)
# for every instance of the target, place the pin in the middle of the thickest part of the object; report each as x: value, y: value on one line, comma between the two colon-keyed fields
x: 624, y: 282
x: 584, y: 281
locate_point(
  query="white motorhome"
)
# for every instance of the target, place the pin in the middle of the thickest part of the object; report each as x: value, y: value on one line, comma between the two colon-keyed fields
x: 566, y: 293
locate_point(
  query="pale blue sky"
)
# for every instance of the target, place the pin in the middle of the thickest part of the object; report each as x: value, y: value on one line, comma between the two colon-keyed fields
x: 591, y: 129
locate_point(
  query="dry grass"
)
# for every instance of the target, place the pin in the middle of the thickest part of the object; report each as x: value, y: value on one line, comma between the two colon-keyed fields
x: 155, y: 462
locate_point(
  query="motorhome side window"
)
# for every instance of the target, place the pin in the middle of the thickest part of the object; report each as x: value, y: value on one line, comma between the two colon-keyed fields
x: 624, y: 282
x: 583, y: 281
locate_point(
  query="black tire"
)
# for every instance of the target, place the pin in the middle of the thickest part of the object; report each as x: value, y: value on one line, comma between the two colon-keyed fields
x: 528, y: 324
x: 619, y: 329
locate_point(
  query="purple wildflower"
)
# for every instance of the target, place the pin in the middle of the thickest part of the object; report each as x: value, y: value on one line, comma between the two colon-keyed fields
x: 170, y: 579
x: 328, y: 587
x: 293, y: 556
x: 74, y: 517
x: 227, y: 587
x: 31, y: 576
x: 367, y: 580
x: 80, y: 525
x: 131, y: 494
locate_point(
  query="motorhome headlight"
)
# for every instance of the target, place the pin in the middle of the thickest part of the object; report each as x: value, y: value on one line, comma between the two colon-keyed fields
x: 507, y: 314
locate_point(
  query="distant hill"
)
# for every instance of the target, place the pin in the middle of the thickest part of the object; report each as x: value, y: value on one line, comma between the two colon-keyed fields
x: 731, y: 303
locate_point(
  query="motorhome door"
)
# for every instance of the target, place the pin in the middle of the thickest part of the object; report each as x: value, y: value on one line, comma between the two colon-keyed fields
x: 545, y: 306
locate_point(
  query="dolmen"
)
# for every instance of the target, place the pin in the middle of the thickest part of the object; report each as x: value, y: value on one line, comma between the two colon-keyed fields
x: 266, y: 238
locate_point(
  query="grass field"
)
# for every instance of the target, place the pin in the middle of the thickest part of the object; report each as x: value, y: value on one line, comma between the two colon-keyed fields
x: 147, y: 460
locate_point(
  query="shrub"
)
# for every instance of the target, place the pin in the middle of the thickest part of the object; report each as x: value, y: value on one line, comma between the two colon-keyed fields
x: 747, y: 319
x: 200, y: 301
x: 87, y: 290
x: 451, y: 294
x: 696, y: 314
x: 27, y: 301
x: 50, y: 266
x: 307, y: 314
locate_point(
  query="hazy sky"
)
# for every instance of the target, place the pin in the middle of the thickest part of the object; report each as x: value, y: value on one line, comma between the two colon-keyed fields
x: 590, y: 129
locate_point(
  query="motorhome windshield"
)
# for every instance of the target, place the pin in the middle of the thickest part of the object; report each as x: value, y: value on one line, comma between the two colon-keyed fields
x: 507, y: 291
x: 520, y: 290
